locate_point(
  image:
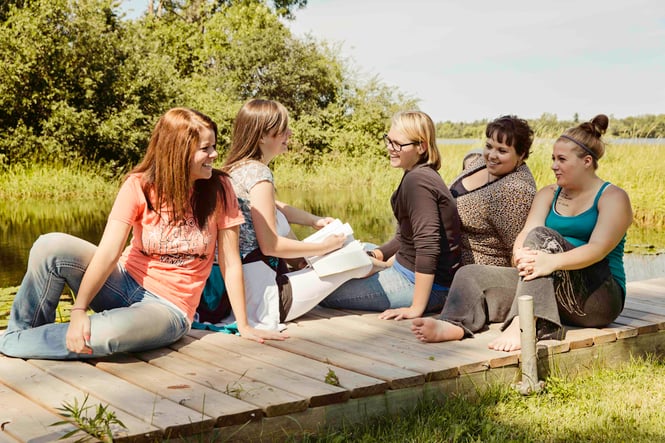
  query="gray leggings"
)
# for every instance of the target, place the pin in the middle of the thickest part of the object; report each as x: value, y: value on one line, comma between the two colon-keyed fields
x: 481, y: 294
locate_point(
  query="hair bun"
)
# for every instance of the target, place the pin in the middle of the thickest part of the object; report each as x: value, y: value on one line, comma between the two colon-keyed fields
x: 599, y: 124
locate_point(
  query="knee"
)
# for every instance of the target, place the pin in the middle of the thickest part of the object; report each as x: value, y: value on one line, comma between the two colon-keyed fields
x: 468, y: 271
x: 54, y: 245
x: 542, y: 238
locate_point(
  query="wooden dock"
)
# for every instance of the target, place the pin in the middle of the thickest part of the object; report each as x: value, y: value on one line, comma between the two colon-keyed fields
x: 337, y: 367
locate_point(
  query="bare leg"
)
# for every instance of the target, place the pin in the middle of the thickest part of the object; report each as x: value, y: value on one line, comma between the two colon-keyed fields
x: 431, y: 330
x: 509, y: 340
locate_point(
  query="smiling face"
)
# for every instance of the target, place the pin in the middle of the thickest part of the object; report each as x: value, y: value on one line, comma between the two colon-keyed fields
x: 272, y: 145
x: 201, y: 162
x: 501, y: 159
x: 409, y: 155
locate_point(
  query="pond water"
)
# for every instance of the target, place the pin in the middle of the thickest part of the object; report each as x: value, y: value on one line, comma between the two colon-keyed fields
x: 22, y: 222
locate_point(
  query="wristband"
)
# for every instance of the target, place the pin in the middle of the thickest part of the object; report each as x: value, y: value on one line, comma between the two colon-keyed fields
x: 371, y: 254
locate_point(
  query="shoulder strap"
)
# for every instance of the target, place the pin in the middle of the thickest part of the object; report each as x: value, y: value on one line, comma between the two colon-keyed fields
x: 600, y: 192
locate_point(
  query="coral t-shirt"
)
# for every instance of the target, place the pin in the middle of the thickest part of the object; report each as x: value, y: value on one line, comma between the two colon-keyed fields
x: 172, y: 261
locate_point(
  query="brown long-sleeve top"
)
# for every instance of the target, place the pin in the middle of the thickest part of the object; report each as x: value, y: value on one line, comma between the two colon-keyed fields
x: 427, y: 239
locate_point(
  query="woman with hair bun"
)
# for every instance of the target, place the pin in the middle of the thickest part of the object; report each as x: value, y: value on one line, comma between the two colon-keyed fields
x: 568, y: 256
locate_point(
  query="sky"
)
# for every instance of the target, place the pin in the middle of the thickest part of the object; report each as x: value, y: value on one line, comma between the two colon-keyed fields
x: 468, y: 60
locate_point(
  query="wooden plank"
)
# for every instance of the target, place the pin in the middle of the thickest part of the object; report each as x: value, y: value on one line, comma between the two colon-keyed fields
x: 647, y: 294
x: 317, y: 392
x: 644, y: 306
x: 607, y: 355
x: 271, y: 400
x: 359, y: 385
x: 172, y: 418
x: 226, y: 409
x: 545, y: 348
x: 441, y: 355
x: 656, y: 319
x: 25, y: 421
x: 52, y: 393
x: 656, y: 284
x: 395, y: 377
x: 375, y: 348
x: 642, y: 327
x: 621, y: 331
x: 585, y: 337
x: 475, y: 349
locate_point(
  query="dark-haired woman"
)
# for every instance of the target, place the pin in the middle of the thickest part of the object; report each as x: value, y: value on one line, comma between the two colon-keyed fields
x: 569, y: 256
x: 143, y: 296
x: 494, y: 193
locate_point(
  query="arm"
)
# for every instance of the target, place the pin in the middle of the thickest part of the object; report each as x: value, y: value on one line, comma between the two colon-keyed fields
x: 614, y: 217
x: 262, y: 198
x: 106, y: 257
x: 537, y: 215
x: 230, y: 266
x: 423, y: 212
x: 302, y: 217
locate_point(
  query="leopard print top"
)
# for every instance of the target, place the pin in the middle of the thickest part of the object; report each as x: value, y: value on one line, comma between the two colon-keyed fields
x: 493, y: 215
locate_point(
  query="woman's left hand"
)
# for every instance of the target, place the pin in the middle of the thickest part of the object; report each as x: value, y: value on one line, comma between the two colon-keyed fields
x: 321, y: 222
x: 260, y: 335
x: 540, y: 264
x: 400, y: 313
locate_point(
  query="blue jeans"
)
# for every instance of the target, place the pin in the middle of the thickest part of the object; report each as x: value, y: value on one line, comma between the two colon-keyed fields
x: 127, y: 318
x: 386, y: 289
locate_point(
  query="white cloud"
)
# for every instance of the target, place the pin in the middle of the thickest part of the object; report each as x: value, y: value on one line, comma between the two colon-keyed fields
x: 479, y: 59
x: 468, y: 60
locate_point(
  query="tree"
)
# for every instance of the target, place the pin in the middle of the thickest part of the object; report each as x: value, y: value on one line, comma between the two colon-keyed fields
x: 76, y: 84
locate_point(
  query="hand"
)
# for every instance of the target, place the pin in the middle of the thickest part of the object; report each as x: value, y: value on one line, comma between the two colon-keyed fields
x: 78, y: 333
x: 321, y: 222
x: 260, y: 335
x: 400, y: 313
x: 537, y: 264
x: 377, y: 266
x: 333, y: 242
x: 523, y: 253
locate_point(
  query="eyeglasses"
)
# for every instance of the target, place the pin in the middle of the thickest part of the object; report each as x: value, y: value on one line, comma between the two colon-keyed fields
x: 390, y: 144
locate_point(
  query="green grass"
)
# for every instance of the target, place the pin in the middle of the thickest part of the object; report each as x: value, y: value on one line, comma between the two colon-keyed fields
x: 609, y: 405
x: 61, y: 183
x: 636, y: 168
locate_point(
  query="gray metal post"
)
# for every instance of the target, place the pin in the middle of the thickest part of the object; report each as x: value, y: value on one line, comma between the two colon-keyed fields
x: 530, y: 382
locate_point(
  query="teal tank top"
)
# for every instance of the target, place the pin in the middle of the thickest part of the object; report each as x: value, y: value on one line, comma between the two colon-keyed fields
x: 577, y: 230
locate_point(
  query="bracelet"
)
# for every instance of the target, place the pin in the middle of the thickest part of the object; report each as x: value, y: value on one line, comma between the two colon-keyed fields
x: 78, y: 309
x: 371, y: 254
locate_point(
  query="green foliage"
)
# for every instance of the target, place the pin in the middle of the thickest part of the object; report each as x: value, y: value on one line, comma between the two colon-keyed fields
x: 100, y: 425
x: 331, y: 378
x: 80, y: 84
x: 76, y: 84
x: 548, y: 126
x: 611, y: 405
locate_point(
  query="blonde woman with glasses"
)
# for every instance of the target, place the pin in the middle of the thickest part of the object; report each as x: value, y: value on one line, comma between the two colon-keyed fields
x: 415, y: 267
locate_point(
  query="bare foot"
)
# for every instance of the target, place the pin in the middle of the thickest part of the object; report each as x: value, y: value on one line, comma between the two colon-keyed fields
x: 432, y: 330
x: 509, y: 340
